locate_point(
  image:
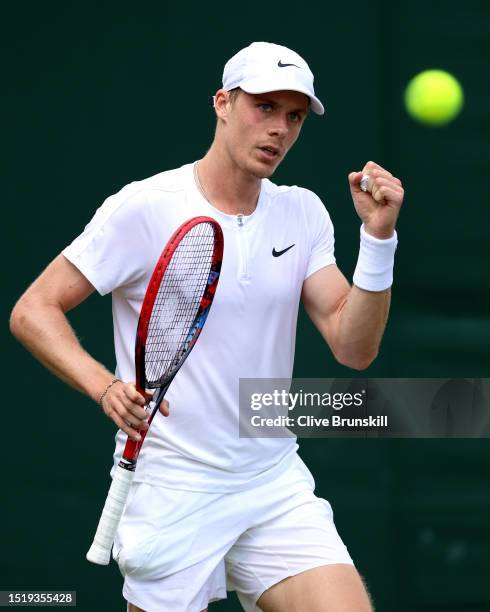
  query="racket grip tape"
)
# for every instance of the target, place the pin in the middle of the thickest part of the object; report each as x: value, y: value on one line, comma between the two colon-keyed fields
x: 100, y: 551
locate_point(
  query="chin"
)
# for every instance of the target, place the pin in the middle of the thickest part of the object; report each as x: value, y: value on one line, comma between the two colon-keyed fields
x: 264, y: 174
x: 263, y: 170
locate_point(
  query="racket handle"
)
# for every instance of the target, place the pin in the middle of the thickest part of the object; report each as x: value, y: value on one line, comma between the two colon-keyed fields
x: 100, y: 551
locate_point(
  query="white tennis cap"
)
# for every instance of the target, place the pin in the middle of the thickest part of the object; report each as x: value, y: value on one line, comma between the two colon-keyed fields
x: 262, y: 67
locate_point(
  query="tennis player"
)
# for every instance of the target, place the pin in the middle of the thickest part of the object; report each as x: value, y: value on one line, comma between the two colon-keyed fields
x: 210, y: 511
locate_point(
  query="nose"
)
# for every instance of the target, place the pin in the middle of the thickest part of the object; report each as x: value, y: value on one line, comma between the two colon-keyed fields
x: 280, y: 128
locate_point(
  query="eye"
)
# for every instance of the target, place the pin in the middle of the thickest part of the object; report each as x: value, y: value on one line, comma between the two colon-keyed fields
x: 265, y: 106
x: 294, y: 117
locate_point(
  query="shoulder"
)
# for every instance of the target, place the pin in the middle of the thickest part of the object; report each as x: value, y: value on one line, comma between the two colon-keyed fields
x: 301, y: 199
x: 171, y: 181
x: 167, y: 182
x: 139, y: 196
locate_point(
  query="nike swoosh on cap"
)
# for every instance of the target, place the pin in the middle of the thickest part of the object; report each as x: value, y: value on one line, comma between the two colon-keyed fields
x: 279, y: 253
x: 281, y: 65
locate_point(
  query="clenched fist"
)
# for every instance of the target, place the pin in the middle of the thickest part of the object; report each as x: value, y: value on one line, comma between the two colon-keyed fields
x: 379, y: 206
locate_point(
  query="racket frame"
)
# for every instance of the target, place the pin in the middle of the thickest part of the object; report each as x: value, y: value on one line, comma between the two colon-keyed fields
x: 100, y: 550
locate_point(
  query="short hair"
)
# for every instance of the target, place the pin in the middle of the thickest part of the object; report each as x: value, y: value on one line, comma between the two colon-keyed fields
x: 234, y: 94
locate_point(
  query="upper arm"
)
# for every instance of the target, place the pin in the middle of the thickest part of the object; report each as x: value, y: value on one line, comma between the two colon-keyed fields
x: 61, y: 284
x: 323, y: 294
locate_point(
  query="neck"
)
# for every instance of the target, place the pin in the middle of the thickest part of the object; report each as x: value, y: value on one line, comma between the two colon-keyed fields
x: 228, y: 188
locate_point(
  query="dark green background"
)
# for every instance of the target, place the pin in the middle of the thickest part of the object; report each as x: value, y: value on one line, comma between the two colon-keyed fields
x: 100, y: 95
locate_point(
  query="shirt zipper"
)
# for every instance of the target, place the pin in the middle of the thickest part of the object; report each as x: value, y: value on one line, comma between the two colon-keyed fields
x: 243, y: 250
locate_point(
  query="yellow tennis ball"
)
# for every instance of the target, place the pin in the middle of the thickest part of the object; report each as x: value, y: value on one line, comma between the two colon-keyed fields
x: 434, y: 97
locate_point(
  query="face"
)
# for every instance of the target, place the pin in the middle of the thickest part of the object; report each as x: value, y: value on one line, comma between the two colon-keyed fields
x: 259, y: 129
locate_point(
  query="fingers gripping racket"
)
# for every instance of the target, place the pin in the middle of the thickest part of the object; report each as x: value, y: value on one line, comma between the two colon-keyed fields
x: 175, y: 307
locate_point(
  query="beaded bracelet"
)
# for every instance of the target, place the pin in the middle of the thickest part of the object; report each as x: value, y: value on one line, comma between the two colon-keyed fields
x: 113, y: 382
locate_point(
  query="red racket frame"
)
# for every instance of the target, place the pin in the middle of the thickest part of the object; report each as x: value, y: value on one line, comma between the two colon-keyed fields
x: 133, y: 447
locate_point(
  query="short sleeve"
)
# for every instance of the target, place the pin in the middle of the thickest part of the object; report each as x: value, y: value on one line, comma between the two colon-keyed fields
x: 322, y: 245
x: 110, y: 251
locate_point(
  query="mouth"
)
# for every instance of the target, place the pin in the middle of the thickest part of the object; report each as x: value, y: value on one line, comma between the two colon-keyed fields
x: 270, y: 152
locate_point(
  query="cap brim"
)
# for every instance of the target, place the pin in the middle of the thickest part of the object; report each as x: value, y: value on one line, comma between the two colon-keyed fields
x: 259, y: 86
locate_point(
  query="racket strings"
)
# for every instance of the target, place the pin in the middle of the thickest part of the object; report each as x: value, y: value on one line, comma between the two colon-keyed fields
x: 170, y: 329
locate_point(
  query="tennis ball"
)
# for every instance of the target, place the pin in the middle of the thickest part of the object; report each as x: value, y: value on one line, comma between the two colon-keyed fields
x: 434, y: 97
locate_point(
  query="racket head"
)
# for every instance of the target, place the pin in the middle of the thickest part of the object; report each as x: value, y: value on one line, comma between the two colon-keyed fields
x: 177, y: 301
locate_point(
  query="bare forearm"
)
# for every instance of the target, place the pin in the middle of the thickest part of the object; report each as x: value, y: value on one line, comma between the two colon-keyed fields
x: 45, y: 331
x: 361, y: 322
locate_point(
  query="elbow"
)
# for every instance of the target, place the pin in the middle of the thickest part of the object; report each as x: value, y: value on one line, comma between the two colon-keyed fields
x: 360, y: 365
x: 18, y: 320
x: 357, y: 362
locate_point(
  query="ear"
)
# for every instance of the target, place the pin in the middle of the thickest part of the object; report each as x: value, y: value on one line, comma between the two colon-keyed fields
x: 222, y: 104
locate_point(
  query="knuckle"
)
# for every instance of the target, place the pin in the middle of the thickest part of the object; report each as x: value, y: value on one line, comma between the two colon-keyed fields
x: 139, y: 414
x: 134, y: 414
x: 129, y: 390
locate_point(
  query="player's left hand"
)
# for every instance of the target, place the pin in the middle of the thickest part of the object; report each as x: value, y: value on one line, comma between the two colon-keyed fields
x: 379, y: 206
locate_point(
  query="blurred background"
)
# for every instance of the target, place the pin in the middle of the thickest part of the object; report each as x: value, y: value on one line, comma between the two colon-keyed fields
x: 100, y: 95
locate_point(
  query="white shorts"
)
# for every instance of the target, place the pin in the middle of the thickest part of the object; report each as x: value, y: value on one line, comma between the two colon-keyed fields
x: 179, y: 550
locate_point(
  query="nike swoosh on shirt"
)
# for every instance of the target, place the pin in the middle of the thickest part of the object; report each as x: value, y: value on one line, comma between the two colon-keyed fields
x: 281, y: 65
x: 279, y: 253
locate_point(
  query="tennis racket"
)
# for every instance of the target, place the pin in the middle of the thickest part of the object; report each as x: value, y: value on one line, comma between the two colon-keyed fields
x: 174, y: 310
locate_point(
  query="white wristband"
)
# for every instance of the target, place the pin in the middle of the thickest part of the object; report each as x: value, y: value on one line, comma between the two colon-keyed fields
x: 374, y: 270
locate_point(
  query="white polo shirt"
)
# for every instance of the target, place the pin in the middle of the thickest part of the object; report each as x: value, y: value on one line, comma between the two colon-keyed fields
x: 250, y: 331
